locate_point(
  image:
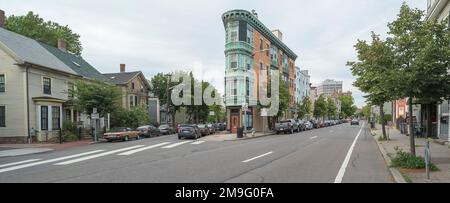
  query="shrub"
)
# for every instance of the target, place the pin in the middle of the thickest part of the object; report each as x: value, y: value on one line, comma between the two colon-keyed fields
x: 408, y: 161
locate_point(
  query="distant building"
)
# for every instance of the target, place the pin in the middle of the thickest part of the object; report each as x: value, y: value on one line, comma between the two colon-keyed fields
x: 302, y: 85
x: 328, y: 87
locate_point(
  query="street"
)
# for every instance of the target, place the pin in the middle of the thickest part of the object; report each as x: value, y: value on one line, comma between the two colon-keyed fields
x: 325, y: 155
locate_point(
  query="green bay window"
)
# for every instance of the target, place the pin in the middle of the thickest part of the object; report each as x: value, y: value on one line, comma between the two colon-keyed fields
x: 2, y: 83
x: 56, y: 117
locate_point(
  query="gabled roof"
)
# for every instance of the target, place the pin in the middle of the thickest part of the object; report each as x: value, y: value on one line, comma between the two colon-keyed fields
x: 27, y: 50
x: 121, y: 78
x: 76, y: 63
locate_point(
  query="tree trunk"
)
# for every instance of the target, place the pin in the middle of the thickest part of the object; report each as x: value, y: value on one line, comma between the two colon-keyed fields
x: 429, y: 123
x: 412, y: 143
x: 383, y: 123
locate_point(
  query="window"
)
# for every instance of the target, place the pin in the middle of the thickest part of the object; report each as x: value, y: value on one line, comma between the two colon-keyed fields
x: 135, y: 100
x: 44, y: 117
x: 261, y: 45
x: 248, y: 62
x: 47, y: 85
x: 70, y: 90
x: 247, y: 87
x: 234, y: 61
x: 249, y: 34
x: 56, y: 118
x: 2, y: 116
x: 131, y: 101
x: 261, y: 66
x: 2, y: 83
x: 234, y: 28
x: 132, y: 85
x: 268, y: 48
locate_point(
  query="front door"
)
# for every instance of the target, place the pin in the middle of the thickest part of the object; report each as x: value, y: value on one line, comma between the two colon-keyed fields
x: 234, y: 123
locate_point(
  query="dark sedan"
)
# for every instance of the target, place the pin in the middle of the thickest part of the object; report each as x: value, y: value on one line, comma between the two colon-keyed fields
x: 212, y: 128
x: 189, y: 132
x: 204, y: 130
x: 148, y: 131
x: 166, y: 130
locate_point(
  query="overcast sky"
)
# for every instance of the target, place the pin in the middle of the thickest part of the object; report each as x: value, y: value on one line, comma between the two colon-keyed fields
x: 160, y: 36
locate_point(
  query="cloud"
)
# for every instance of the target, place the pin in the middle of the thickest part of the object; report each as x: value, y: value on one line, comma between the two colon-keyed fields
x: 167, y: 35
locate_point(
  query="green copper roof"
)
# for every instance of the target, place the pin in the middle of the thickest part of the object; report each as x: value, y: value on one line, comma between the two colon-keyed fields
x: 244, y: 15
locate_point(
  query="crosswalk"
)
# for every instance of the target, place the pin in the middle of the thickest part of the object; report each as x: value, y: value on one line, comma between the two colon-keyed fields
x: 81, y: 157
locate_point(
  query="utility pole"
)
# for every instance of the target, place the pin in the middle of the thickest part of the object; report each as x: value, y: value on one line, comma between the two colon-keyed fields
x: 168, y: 99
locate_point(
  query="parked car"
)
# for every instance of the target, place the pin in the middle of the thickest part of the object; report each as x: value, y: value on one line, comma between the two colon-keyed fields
x: 354, y: 122
x: 301, y: 126
x: 148, y: 131
x: 212, y: 128
x: 287, y: 126
x: 204, y: 130
x: 189, y: 132
x: 166, y: 130
x: 221, y: 126
x: 315, y: 124
x: 309, y: 125
x: 121, y: 133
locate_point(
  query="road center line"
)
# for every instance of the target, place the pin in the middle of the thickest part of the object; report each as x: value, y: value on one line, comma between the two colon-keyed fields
x: 260, y: 156
x: 18, y: 163
x: 97, y: 155
x: 48, y: 161
x: 312, y: 138
x: 143, y: 149
x: 176, y: 144
x: 341, y: 173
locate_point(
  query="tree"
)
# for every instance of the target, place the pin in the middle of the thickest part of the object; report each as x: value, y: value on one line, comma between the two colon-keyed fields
x: 421, y: 55
x: 331, y: 108
x: 305, y: 108
x: 320, y: 107
x: 347, y: 106
x: 285, y: 98
x: 32, y: 26
x: 89, y: 95
x: 133, y: 118
x: 366, y: 111
x: 375, y: 72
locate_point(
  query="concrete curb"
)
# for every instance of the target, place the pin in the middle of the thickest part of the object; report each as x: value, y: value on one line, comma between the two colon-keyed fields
x: 249, y: 138
x: 398, y: 177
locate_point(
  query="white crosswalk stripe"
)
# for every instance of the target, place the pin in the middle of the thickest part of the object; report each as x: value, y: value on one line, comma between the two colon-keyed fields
x: 18, y: 163
x: 97, y: 155
x: 176, y: 144
x: 143, y: 149
x: 48, y: 161
x: 198, y: 142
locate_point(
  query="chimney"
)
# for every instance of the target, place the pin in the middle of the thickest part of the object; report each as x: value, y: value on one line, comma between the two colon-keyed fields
x: 278, y: 34
x: 122, y: 68
x: 62, y: 45
x: 2, y: 18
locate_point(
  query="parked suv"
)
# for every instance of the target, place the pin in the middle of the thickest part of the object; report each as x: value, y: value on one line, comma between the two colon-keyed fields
x: 189, y: 131
x: 287, y: 126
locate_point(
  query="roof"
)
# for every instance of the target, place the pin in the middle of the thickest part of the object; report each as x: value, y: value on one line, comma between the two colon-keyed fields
x: 76, y: 63
x: 27, y: 50
x: 121, y: 78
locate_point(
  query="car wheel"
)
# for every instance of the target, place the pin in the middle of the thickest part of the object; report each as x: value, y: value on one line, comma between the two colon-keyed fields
x: 138, y: 137
x: 278, y: 132
x: 179, y: 137
x: 126, y: 139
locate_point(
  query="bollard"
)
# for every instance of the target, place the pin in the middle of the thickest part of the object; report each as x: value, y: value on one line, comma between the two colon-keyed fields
x: 427, y: 158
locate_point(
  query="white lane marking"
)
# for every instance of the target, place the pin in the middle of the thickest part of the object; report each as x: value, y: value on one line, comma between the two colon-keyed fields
x: 18, y: 163
x: 48, y: 161
x: 260, y: 156
x: 198, y: 142
x: 312, y: 138
x: 143, y: 149
x: 97, y: 155
x: 176, y: 144
x: 341, y: 173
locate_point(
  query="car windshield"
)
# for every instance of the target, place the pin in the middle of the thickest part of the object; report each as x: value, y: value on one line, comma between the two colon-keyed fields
x: 201, y: 126
x: 163, y: 126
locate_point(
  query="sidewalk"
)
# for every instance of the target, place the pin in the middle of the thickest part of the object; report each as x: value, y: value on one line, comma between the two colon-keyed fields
x: 8, y: 150
x: 233, y: 137
x: 440, y: 156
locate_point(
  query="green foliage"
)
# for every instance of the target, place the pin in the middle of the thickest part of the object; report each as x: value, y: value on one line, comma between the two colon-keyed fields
x: 409, y: 161
x: 320, y: 107
x: 133, y: 118
x: 331, y: 108
x: 219, y: 114
x: 69, y: 131
x: 89, y: 95
x: 285, y: 98
x: 366, y: 111
x: 305, y: 108
x: 348, y: 107
x: 387, y: 118
x: 33, y: 26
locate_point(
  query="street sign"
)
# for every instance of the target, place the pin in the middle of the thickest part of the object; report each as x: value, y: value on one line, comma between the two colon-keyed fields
x: 95, y: 116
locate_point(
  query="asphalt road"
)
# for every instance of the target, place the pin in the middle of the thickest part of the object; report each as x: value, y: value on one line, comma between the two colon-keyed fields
x: 325, y: 155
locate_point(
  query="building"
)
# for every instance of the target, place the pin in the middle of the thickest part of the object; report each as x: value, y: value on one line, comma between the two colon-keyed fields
x: 303, y: 85
x: 328, y: 87
x: 440, y: 10
x: 313, y: 94
x: 252, y: 51
x: 135, y: 88
x: 35, y: 80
